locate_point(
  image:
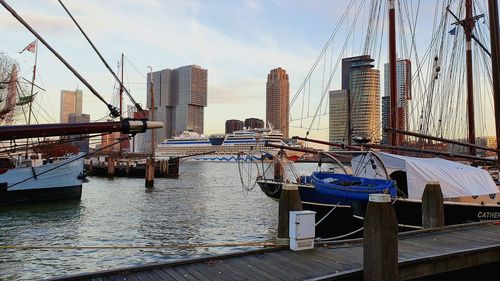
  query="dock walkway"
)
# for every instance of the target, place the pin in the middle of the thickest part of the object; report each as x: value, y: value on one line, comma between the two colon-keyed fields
x: 421, y: 253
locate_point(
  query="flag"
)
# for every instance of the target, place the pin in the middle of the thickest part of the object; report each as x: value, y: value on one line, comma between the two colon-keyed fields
x: 31, y: 47
x: 453, y: 31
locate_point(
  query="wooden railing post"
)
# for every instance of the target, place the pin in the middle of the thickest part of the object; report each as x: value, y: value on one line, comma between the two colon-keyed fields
x: 380, y: 240
x: 432, y: 206
x: 289, y: 201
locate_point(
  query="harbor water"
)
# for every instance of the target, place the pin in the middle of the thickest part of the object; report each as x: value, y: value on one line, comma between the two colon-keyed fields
x: 205, y: 205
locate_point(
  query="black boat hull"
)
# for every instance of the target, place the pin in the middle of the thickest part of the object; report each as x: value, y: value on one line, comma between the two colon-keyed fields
x: 347, y: 219
x: 66, y: 193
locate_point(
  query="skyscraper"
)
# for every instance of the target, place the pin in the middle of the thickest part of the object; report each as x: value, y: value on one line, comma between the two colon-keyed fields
x: 364, y: 89
x: 81, y: 141
x: 360, y: 86
x: 233, y: 125
x: 403, y: 90
x: 253, y: 123
x: 71, y: 102
x: 338, y: 116
x: 180, y: 96
x: 277, y: 100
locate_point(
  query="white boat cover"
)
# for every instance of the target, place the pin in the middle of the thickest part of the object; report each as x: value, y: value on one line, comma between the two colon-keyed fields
x: 456, y: 180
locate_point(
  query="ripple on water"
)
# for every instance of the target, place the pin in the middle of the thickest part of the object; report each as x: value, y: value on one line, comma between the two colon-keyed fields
x: 205, y: 205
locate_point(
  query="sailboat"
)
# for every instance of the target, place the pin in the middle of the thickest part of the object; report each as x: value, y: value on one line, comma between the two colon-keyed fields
x: 470, y: 193
x: 61, y: 178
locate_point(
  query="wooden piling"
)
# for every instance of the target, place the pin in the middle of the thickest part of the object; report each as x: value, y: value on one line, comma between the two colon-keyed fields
x: 150, y: 172
x: 173, y: 167
x: 380, y: 240
x: 127, y: 168
x: 91, y: 167
x: 432, y: 206
x: 111, y: 166
x: 289, y: 201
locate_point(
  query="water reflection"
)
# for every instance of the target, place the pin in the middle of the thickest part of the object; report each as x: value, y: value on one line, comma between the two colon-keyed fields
x: 205, y: 205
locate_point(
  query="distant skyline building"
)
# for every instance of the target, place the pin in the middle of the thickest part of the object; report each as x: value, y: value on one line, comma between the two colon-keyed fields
x: 82, y: 144
x: 338, y: 116
x: 180, y: 96
x: 233, y: 125
x: 108, y: 140
x: 253, y: 123
x: 403, y: 89
x: 277, y: 100
x: 71, y: 102
x: 360, y: 86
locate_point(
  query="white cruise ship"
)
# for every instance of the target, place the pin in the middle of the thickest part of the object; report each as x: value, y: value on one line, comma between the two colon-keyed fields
x: 244, y: 145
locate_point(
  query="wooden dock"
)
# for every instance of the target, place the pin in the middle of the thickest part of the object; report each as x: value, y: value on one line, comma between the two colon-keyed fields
x: 422, y: 253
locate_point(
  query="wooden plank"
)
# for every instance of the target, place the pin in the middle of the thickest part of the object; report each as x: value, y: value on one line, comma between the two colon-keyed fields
x: 163, y: 275
x: 316, y: 266
x: 250, y: 269
x: 276, y: 271
x: 211, y: 273
x: 176, y: 276
x: 235, y: 272
x: 293, y: 272
x: 194, y: 272
x: 184, y: 273
x: 290, y: 263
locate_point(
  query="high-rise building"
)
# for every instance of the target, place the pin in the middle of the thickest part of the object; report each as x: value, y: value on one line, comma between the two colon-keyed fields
x: 277, y: 100
x: 386, y: 104
x: 360, y: 86
x: 80, y: 141
x: 233, y: 125
x: 253, y: 123
x: 403, y: 90
x: 338, y: 116
x: 364, y: 89
x: 109, y: 141
x: 180, y: 96
x: 71, y: 102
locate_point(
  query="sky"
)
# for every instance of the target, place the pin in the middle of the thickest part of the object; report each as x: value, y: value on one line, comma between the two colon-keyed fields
x: 238, y: 41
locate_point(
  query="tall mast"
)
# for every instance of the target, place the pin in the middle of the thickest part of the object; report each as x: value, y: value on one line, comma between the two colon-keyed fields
x: 495, y: 64
x: 31, y: 96
x: 121, y: 89
x: 33, y: 82
x: 468, y: 27
x: 393, y: 120
x: 153, y: 135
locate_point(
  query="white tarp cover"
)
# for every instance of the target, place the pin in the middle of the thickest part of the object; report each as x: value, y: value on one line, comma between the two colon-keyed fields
x: 456, y: 180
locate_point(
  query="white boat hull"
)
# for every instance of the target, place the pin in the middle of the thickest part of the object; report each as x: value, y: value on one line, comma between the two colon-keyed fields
x: 53, y: 181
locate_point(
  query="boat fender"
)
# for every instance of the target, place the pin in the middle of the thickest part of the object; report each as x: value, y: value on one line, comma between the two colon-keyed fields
x: 3, y: 186
x: 373, y: 164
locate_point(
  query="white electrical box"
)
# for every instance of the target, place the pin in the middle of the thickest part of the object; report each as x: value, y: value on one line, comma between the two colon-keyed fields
x: 302, y: 230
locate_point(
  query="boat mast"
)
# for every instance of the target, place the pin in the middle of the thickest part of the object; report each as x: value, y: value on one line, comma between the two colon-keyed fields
x: 393, y: 120
x: 495, y: 64
x: 468, y: 27
x: 33, y: 82
x: 153, y: 135
x: 31, y: 96
x: 121, y: 90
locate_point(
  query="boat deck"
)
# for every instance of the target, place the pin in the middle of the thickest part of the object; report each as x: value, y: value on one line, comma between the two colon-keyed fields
x: 421, y: 253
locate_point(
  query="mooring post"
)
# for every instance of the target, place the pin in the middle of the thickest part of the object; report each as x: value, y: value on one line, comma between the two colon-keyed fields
x: 127, y: 168
x: 91, y: 167
x: 173, y: 167
x: 432, y: 206
x: 289, y: 201
x: 150, y: 172
x: 111, y: 166
x: 380, y: 240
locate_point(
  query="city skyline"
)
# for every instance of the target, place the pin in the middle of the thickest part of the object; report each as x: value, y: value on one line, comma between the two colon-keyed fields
x: 238, y: 41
